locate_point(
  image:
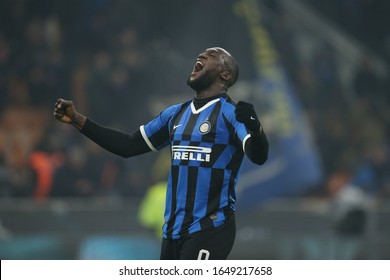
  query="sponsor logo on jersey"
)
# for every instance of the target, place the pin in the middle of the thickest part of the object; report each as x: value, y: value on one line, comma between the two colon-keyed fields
x: 191, y: 153
x: 176, y: 126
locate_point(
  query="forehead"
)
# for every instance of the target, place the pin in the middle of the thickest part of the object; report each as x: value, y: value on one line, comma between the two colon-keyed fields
x: 215, y: 50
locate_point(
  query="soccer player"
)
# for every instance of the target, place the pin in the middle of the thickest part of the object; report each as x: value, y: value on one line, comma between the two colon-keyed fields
x: 208, y: 137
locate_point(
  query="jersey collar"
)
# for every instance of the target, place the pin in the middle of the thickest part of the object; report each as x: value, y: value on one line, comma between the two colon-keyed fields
x: 208, y: 104
x: 205, y: 103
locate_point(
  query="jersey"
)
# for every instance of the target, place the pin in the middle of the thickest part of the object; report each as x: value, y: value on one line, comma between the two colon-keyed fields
x: 207, y: 146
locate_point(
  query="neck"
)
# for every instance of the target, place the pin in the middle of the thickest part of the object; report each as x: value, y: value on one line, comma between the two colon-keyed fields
x: 199, y: 103
x: 209, y: 92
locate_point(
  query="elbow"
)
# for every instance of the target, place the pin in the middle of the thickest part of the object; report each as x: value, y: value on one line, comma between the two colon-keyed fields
x: 261, y: 160
x: 129, y: 153
x: 122, y: 153
x: 260, y: 156
x: 258, y: 150
x: 126, y: 155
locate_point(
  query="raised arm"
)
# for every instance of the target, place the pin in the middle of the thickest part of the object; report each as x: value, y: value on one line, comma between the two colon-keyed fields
x: 256, y: 147
x: 114, y: 141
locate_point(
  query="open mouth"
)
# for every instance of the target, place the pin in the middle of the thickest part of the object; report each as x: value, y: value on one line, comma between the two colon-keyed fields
x: 198, y: 66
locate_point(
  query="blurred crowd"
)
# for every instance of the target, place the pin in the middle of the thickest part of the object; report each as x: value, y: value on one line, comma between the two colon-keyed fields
x: 87, y: 51
x: 351, y: 123
x: 96, y: 53
x: 365, y: 20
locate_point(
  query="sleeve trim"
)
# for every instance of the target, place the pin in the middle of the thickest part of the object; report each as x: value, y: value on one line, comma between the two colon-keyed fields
x: 143, y: 133
x: 244, y: 141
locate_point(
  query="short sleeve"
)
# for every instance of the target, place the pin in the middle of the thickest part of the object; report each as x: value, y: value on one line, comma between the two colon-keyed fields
x: 239, y: 130
x: 156, y: 132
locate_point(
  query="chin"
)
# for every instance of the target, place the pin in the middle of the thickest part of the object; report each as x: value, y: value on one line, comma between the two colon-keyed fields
x: 200, y: 82
x: 195, y: 85
x: 192, y: 82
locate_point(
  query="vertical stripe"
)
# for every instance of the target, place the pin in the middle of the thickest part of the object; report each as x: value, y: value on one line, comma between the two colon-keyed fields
x: 235, y: 160
x: 202, y: 194
x: 213, y: 120
x: 216, y: 184
x: 192, y: 180
x: 232, y: 183
x: 224, y: 194
x: 186, y: 161
x: 172, y: 217
x: 217, y: 150
x: 233, y: 139
x: 189, y: 127
x: 177, y: 119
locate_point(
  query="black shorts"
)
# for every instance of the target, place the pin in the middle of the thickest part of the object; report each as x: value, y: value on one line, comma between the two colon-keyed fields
x: 214, y: 244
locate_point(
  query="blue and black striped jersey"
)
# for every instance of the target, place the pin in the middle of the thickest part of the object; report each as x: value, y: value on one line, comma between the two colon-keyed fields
x: 207, y: 146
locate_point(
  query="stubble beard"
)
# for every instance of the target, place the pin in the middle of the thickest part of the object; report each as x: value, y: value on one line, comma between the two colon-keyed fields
x: 202, y: 82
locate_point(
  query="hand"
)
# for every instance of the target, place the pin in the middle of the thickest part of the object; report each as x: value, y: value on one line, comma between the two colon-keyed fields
x: 245, y: 113
x: 64, y: 111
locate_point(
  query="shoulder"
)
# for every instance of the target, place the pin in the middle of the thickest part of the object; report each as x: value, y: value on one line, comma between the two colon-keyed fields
x: 173, y: 109
x: 228, y: 105
x: 230, y: 100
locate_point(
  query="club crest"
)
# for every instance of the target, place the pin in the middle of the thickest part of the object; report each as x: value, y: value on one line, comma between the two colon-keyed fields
x: 205, y: 127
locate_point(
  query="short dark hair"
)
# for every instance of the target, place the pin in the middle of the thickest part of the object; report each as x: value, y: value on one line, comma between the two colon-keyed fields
x: 231, y: 64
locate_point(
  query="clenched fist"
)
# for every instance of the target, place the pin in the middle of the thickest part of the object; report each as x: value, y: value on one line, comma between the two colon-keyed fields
x: 65, y: 112
x: 245, y: 113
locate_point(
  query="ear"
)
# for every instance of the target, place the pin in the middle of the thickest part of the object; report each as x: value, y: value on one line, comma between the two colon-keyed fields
x: 226, y: 75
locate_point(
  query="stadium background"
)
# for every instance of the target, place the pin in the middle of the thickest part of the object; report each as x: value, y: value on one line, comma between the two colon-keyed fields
x: 316, y: 70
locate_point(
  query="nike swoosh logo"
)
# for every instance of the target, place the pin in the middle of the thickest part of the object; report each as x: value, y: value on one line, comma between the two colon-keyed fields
x: 252, y: 118
x: 176, y: 126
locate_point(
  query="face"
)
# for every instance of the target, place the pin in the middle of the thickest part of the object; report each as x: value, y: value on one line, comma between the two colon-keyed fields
x: 207, y: 69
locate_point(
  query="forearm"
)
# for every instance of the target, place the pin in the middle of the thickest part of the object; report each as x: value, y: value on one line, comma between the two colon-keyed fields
x: 256, y: 147
x: 119, y: 143
x: 79, y: 120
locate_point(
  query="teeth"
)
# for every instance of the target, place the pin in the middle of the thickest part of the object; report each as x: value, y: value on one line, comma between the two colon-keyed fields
x: 199, y: 64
